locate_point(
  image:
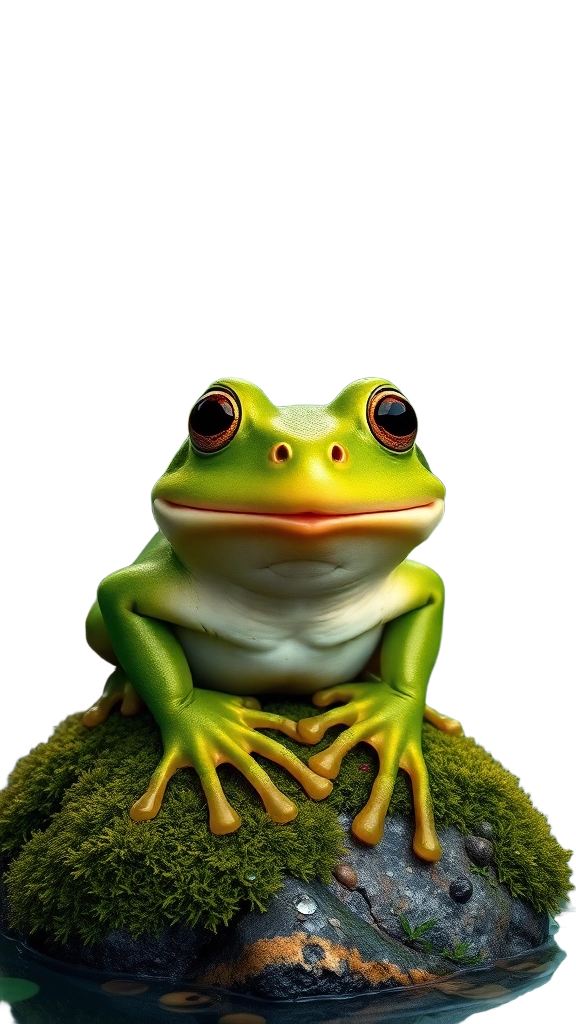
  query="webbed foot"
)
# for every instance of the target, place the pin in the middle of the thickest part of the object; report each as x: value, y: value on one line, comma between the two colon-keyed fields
x: 390, y: 722
x: 214, y: 728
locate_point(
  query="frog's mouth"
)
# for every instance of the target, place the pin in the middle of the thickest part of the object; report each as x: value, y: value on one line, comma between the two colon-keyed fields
x: 307, y: 523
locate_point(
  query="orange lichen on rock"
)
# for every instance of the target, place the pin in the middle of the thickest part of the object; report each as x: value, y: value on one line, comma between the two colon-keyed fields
x: 290, y: 950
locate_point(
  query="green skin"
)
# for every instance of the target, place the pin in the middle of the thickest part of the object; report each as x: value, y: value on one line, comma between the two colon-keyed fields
x: 280, y: 566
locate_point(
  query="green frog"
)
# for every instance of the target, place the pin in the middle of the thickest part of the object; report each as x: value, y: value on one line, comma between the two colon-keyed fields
x: 280, y: 566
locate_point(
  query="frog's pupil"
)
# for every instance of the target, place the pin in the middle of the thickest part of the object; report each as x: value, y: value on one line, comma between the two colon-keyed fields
x: 212, y: 415
x: 395, y: 416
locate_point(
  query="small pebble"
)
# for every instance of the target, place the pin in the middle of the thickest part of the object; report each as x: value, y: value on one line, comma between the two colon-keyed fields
x: 484, y: 830
x: 346, y: 875
x: 479, y: 850
x: 334, y: 922
x: 461, y: 890
x: 124, y: 988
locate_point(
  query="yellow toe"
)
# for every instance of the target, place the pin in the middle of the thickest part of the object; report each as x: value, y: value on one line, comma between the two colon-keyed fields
x: 324, y: 764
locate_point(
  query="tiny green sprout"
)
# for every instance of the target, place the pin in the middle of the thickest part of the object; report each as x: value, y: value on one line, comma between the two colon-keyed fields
x: 459, y: 955
x: 413, y: 934
x: 485, y: 873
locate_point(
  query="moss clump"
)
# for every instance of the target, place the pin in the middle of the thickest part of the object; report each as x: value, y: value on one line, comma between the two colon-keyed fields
x: 78, y: 865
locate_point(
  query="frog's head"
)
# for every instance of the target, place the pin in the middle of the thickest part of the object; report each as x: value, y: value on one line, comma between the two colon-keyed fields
x: 298, y: 476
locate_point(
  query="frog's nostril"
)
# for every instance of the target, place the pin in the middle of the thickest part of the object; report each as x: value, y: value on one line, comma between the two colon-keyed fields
x: 281, y: 452
x: 337, y: 453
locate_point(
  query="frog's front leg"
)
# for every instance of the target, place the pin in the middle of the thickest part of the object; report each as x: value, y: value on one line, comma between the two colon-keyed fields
x: 200, y: 728
x: 388, y: 714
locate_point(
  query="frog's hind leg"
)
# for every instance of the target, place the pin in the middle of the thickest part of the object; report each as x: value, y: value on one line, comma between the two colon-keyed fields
x: 118, y: 689
x: 443, y: 722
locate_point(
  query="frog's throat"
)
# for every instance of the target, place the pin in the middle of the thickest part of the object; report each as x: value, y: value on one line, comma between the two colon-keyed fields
x: 418, y: 521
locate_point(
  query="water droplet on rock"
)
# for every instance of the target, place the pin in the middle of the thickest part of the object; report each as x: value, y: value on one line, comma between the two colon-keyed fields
x: 306, y: 905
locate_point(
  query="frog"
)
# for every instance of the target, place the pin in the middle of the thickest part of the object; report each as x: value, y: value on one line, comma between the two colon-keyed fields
x: 280, y: 567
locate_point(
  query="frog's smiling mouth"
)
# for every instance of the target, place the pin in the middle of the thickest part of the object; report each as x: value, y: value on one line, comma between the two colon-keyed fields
x: 305, y: 522
x: 307, y: 516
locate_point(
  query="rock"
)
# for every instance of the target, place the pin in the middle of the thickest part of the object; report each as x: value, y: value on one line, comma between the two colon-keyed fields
x: 393, y: 883
x: 484, y: 830
x: 461, y: 890
x: 346, y: 875
x: 479, y: 850
x: 172, y: 954
x: 275, y: 956
x: 328, y: 940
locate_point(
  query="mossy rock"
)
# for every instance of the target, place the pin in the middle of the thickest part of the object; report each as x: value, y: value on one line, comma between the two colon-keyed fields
x: 79, y: 867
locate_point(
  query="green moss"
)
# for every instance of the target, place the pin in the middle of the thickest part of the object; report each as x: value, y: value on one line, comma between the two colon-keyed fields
x: 79, y: 866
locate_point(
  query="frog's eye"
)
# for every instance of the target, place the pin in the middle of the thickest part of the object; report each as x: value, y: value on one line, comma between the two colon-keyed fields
x: 391, y: 419
x: 214, y: 420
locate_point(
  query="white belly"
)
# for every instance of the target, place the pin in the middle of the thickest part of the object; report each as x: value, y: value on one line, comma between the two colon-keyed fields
x: 284, y: 664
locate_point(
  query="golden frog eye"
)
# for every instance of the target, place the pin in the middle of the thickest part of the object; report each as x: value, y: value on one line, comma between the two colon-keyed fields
x: 214, y: 420
x: 391, y: 419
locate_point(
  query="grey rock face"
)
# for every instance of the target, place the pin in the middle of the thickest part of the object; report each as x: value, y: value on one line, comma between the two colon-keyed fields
x: 174, y: 953
x: 393, y: 883
x: 399, y: 925
x: 283, y: 953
